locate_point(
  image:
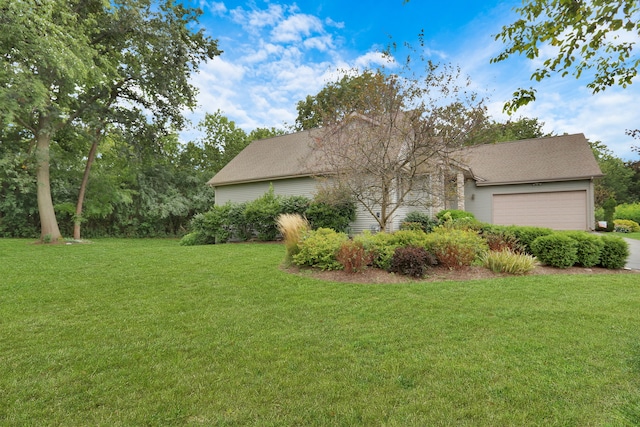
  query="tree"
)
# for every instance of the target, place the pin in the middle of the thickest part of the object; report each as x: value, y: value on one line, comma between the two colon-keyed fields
x: 512, y: 130
x: 587, y: 36
x: 93, y: 62
x: 386, y: 137
x: 348, y: 94
x: 264, y: 133
x: 617, y: 177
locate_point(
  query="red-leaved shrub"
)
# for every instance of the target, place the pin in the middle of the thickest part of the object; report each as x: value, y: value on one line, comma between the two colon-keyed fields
x: 353, y: 256
x: 412, y: 261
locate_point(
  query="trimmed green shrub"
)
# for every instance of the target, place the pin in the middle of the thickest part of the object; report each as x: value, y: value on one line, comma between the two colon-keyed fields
x: 213, y: 225
x: 609, y: 207
x: 241, y: 229
x: 508, y: 261
x: 193, y: 239
x: 294, y: 204
x: 332, y: 207
x: 589, y: 247
x: 614, y: 253
x: 456, y: 248
x: 629, y: 211
x: 353, y: 256
x: 453, y: 214
x: 318, y: 248
x: 412, y: 261
x: 556, y: 250
x: 626, y: 226
x: 427, y: 224
x: 261, y: 214
x: 380, y: 245
x: 527, y: 234
x: 336, y: 216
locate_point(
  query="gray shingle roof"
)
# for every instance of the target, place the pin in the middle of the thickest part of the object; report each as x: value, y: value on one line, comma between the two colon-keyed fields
x: 285, y: 156
x: 559, y: 158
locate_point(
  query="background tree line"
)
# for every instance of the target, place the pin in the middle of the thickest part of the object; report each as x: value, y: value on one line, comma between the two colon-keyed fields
x: 143, y: 183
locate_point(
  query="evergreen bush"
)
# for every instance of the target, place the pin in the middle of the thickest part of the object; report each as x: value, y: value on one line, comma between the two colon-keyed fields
x: 556, y: 250
x: 294, y: 204
x: 588, y: 249
x: 192, y: 239
x: 427, y: 224
x: 261, y: 214
x: 212, y: 226
x: 527, y: 234
x: 241, y: 228
x: 609, y: 207
x: 614, y: 253
x: 336, y: 216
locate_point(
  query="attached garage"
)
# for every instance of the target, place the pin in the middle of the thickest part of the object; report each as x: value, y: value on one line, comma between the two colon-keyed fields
x: 565, y: 210
x: 544, y: 182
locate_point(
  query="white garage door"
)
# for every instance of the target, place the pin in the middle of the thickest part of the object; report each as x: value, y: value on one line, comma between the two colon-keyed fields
x: 566, y: 210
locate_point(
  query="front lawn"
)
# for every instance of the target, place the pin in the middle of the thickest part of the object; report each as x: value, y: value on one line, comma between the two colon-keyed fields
x: 632, y: 235
x: 147, y: 332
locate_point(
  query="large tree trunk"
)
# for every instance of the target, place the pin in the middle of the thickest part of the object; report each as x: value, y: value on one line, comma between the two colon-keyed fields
x: 83, y: 186
x: 49, y: 230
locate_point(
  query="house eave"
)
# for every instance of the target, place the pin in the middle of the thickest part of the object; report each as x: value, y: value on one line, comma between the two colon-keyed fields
x: 264, y: 179
x: 536, y: 181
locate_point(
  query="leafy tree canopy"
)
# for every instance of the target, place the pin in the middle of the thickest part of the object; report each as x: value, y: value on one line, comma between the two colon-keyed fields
x: 588, y: 37
x: 94, y: 62
x: 512, y: 130
x: 351, y: 93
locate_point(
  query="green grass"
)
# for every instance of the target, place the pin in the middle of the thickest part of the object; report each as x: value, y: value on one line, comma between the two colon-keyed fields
x: 632, y: 235
x: 146, y: 332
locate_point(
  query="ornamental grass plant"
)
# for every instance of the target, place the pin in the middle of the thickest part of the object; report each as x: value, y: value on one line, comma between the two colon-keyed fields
x: 508, y: 261
x: 292, y: 227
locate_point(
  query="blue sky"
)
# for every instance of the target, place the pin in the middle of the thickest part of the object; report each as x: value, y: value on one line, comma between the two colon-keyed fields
x: 278, y: 52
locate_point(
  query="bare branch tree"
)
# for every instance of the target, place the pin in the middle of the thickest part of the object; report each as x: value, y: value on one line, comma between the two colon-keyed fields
x: 401, y: 133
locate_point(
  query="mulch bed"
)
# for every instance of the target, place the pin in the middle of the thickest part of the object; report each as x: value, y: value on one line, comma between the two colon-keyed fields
x: 438, y: 274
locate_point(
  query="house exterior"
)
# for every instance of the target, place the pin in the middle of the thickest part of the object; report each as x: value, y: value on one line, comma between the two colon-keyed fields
x: 544, y: 182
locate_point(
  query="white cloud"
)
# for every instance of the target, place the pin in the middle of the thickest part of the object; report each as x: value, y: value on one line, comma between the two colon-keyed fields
x: 216, y: 8
x: 331, y: 23
x: 255, y: 19
x: 321, y: 43
x: 284, y: 55
x: 295, y: 27
x: 374, y: 59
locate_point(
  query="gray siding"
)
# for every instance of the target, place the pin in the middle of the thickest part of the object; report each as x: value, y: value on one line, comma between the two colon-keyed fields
x: 478, y: 199
x: 238, y: 193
